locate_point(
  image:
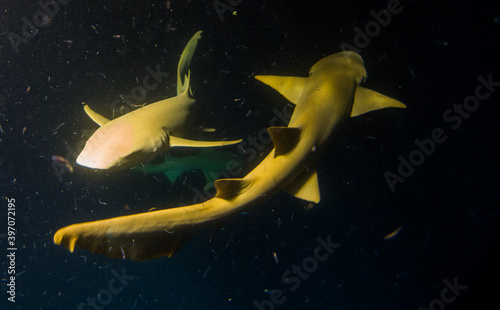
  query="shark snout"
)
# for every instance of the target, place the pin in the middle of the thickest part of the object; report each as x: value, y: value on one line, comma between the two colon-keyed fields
x: 94, y: 162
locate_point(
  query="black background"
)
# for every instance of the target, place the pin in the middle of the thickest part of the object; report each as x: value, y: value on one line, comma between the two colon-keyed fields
x: 429, y: 57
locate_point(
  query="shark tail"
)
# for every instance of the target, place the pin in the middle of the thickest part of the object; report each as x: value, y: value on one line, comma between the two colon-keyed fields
x: 108, y: 237
x: 154, y: 234
x: 183, y: 73
x: 136, y: 237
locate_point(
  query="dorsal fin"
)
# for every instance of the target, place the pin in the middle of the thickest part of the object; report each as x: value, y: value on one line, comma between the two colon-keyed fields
x: 305, y: 186
x: 284, y: 138
x: 230, y: 188
x: 97, y: 118
x: 290, y: 87
x: 366, y: 100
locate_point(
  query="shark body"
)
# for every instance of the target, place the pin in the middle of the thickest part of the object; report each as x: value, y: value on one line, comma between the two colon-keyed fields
x: 141, y: 135
x: 323, y: 100
x: 211, y: 161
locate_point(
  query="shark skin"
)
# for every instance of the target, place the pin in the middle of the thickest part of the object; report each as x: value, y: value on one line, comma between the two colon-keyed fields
x: 140, y: 135
x: 211, y: 160
x: 323, y: 101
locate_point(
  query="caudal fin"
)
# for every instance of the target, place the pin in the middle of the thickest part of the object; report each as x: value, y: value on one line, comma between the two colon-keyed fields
x: 137, y: 237
x: 133, y: 245
x: 183, y: 74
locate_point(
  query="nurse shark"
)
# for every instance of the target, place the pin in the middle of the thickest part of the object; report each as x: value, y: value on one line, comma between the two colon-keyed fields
x: 140, y: 135
x: 323, y: 100
x: 211, y: 161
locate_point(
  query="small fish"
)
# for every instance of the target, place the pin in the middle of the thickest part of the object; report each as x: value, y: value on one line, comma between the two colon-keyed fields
x: 394, y: 233
x: 63, y: 161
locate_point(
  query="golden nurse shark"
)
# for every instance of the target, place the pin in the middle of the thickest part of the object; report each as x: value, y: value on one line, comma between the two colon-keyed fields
x: 140, y: 135
x: 323, y: 100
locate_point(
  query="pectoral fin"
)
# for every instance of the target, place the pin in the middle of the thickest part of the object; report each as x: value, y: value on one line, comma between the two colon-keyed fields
x: 290, y: 87
x: 305, y: 187
x: 366, y: 100
x: 185, y: 62
x: 180, y: 142
x: 97, y: 118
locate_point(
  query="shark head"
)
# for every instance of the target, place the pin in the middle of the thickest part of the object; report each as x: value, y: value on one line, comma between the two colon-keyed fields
x: 120, y: 146
x: 347, y: 62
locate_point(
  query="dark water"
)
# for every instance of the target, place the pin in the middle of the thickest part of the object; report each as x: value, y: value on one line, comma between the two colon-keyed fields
x: 429, y: 56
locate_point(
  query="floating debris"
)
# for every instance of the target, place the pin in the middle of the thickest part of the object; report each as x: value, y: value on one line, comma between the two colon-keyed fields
x: 62, y: 161
x: 394, y: 233
x: 58, y: 127
x: 309, y: 206
x: 206, y: 272
x: 411, y: 71
x: 275, y: 255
